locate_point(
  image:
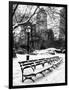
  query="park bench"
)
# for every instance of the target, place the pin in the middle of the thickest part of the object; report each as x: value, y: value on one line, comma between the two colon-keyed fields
x: 36, y: 64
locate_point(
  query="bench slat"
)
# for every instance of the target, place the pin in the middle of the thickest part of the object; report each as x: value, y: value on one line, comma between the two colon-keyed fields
x: 52, y: 63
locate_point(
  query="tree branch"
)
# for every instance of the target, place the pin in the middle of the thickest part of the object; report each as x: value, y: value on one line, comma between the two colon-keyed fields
x: 14, y: 10
x: 17, y: 24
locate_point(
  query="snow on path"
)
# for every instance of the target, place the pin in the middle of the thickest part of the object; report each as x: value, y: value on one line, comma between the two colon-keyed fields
x: 57, y: 76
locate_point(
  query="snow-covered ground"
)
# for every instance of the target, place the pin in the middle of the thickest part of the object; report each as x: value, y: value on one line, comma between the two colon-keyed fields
x: 57, y: 76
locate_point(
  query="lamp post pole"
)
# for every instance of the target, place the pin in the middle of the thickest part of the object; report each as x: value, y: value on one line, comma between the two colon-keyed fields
x: 28, y: 29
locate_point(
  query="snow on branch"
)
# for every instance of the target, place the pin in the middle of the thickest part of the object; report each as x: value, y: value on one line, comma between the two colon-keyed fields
x: 21, y: 23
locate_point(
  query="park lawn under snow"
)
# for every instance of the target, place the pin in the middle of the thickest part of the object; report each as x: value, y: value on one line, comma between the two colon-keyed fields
x: 57, y: 76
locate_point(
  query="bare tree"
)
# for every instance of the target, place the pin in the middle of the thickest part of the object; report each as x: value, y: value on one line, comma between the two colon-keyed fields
x: 21, y: 23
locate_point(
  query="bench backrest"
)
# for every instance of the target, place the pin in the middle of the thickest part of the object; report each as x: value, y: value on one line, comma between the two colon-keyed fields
x: 38, y: 61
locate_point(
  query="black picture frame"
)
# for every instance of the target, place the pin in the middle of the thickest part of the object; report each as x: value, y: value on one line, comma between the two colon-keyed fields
x: 11, y: 44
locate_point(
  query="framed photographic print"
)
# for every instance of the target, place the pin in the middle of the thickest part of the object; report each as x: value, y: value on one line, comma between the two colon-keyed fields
x: 37, y: 44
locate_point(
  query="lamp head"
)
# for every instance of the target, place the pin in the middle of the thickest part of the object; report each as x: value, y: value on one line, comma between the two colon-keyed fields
x: 28, y: 29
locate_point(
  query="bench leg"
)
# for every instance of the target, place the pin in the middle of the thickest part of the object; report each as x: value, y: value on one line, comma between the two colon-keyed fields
x: 22, y: 76
x: 33, y: 68
x: 28, y: 78
x: 32, y: 80
x: 41, y: 73
x: 22, y: 80
x: 43, y: 65
x: 51, y: 69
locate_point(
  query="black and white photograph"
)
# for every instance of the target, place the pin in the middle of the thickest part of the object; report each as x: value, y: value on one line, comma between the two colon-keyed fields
x: 37, y: 44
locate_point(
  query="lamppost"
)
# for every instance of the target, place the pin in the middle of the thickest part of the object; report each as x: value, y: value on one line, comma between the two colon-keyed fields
x: 28, y: 30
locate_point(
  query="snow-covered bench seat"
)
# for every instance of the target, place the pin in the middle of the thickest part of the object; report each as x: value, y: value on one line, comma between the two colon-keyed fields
x: 31, y: 68
x: 34, y: 63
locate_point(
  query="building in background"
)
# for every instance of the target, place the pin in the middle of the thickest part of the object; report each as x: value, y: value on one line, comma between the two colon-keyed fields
x: 41, y: 23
